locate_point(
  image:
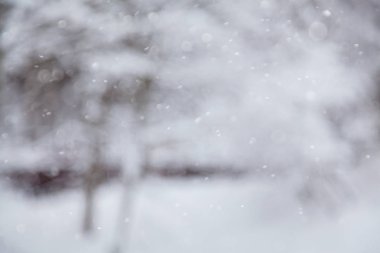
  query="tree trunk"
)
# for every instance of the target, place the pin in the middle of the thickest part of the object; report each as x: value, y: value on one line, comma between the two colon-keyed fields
x: 89, y: 192
x: 91, y: 181
x: 131, y: 179
x: 125, y: 216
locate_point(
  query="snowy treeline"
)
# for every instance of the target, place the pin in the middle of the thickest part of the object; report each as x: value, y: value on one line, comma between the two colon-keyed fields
x: 282, y: 90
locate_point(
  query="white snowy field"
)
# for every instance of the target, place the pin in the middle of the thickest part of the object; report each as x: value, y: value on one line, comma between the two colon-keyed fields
x: 189, y: 216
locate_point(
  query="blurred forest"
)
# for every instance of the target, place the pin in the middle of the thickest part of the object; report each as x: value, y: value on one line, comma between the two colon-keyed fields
x: 118, y: 91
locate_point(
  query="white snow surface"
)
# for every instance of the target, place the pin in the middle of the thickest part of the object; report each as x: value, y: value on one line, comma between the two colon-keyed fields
x: 189, y: 216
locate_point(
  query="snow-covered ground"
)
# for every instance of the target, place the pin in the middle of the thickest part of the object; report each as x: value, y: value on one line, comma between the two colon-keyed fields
x: 188, y: 216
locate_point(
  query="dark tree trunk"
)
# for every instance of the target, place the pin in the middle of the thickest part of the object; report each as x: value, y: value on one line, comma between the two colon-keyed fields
x: 92, y: 179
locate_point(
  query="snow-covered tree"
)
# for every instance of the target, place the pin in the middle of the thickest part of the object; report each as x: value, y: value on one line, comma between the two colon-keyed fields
x: 82, y: 73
